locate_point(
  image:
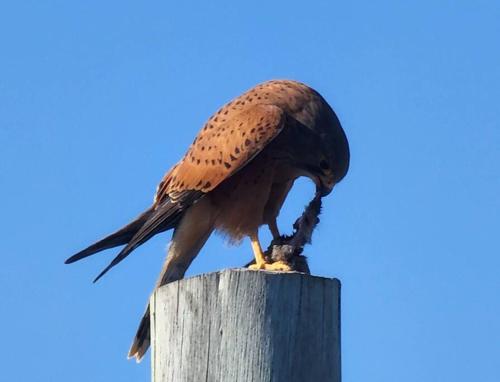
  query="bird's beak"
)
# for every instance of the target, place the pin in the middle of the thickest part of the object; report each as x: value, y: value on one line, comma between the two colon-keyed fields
x: 324, y: 184
x: 322, y: 187
x: 324, y: 191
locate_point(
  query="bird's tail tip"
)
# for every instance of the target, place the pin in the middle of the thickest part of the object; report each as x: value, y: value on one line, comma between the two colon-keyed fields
x: 135, y: 356
x: 141, y: 342
x: 137, y: 351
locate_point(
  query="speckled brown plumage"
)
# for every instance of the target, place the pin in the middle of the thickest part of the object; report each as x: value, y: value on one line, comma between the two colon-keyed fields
x: 222, y: 147
x: 235, y: 177
x: 238, y: 131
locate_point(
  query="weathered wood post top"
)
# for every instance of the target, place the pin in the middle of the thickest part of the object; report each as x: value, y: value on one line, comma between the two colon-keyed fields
x: 242, y: 325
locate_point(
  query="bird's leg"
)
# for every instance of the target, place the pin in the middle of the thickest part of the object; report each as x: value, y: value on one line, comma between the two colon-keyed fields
x: 260, y: 260
x: 257, y: 250
x: 273, y: 227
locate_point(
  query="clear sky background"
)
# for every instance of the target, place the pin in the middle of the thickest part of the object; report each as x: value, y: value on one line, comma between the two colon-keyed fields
x: 99, y: 99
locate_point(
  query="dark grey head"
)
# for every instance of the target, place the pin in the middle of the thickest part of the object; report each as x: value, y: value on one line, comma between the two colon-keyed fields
x: 328, y: 162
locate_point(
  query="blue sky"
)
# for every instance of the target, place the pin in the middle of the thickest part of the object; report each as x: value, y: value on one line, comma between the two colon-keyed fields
x: 99, y: 99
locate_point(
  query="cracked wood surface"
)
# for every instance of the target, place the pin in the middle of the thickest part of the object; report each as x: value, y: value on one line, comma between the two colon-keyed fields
x: 241, y: 325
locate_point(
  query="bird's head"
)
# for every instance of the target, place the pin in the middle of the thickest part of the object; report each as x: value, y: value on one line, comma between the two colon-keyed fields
x: 324, y: 168
x: 325, y: 179
x: 328, y: 164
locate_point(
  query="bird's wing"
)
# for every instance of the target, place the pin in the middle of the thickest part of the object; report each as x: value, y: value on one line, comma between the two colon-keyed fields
x: 222, y: 149
x: 159, y: 220
x: 219, y: 150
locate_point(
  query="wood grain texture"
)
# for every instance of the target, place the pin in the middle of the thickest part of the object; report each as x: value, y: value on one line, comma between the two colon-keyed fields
x: 241, y: 325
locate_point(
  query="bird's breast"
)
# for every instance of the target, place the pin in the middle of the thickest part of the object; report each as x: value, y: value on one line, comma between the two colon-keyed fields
x: 240, y: 200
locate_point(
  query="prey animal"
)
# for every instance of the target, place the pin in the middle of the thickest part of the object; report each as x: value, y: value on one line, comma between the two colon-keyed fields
x: 234, y: 178
x: 288, y: 249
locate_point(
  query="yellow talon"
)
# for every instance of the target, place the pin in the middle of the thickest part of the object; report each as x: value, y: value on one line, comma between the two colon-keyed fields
x: 276, y: 266
x: 260, y: 261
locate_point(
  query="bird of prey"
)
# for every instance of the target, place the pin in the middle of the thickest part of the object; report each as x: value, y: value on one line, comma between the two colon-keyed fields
x: 235, y: 177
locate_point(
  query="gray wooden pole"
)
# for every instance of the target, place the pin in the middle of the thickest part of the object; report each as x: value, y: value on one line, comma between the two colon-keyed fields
x: 241, y: 325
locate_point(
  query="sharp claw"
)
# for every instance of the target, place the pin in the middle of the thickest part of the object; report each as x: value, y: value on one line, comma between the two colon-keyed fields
x: 276, y: 266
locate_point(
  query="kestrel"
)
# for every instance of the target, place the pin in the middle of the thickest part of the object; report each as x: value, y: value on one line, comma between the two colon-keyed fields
x: 235, y: 177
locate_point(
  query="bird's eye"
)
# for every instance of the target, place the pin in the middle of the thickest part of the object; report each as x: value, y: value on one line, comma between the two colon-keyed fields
x: 324, y: 165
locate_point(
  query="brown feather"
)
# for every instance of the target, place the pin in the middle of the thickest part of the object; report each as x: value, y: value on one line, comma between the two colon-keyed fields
x: 222, y: 149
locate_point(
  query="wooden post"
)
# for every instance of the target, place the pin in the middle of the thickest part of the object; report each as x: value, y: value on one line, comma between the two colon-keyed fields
x: 241, y: 325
